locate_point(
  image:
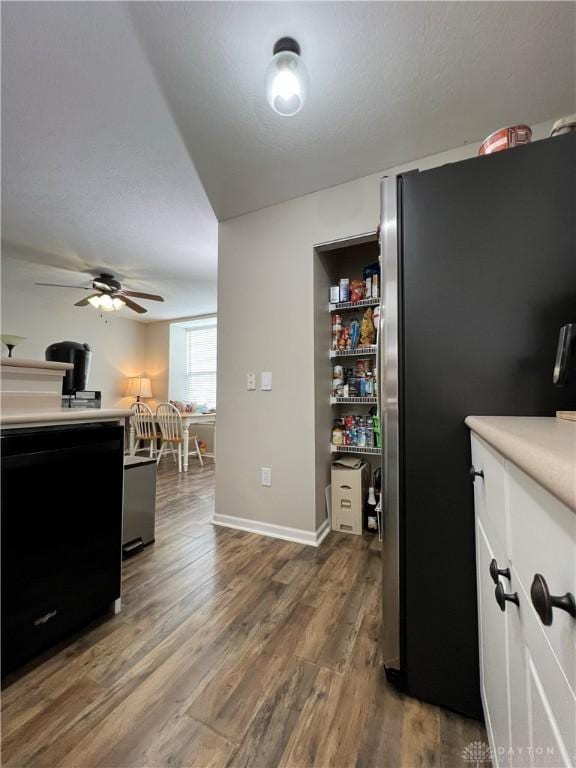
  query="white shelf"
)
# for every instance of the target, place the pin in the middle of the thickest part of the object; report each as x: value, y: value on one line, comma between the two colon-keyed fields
x: 343, y: 306
x: 358, y: 352
x: 334, y: 400
x: 354, y: 449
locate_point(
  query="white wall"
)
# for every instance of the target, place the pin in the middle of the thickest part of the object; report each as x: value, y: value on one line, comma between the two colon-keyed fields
x: 266, y: 323
x: 47, y: 315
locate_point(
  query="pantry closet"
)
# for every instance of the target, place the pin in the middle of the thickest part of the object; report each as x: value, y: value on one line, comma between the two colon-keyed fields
x: 346, y: 378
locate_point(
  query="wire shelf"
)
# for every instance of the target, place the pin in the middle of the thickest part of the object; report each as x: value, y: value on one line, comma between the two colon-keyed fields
x: 346, y: 305
x: 358, y: 352
x: 354, y: 449
x: 334, y: 400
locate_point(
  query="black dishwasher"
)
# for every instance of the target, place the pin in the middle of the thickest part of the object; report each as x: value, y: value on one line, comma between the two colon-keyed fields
x: 61, y: 532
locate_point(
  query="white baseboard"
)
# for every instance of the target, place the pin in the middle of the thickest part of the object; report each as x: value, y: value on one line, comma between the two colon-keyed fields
x: 312, y: 538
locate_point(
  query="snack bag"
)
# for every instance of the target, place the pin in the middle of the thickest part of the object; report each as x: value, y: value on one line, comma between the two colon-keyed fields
x: 368, y: 332
x: 357, y: 290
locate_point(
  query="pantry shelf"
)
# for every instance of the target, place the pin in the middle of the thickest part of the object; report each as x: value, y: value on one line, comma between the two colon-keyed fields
x: 358, y: 352
x: 354, y: 449
x: 346, y: 305
x: 334, y: 400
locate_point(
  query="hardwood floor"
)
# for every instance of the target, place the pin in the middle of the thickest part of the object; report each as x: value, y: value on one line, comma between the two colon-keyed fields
x: 231, y: 650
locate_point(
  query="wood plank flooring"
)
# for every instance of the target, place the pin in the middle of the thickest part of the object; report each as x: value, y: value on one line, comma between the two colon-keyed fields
x: 231, y: 650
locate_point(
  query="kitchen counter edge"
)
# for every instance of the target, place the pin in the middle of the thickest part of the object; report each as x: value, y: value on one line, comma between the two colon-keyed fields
x: 45, y: 418
x: 544, y: 447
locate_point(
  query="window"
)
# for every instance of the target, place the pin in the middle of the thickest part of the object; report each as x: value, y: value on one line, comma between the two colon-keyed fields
x: 201, y: 362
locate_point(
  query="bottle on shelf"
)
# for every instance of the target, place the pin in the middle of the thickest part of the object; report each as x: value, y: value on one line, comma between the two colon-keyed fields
x: 355, y: 431
x: 356, y: 381
x: 355, y: 291
x: 371, y: 519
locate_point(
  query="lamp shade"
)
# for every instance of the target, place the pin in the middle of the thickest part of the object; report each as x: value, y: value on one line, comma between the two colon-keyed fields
x: 139, y: 386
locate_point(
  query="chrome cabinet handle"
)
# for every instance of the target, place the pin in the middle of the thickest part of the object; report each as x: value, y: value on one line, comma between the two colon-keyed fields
x: 544, y: 602
x: 505, y: 597
x: 495, y: 572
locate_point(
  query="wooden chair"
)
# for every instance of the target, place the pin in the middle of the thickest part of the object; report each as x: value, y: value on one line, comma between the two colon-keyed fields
x: 170, y: 420
x: 144, y: 428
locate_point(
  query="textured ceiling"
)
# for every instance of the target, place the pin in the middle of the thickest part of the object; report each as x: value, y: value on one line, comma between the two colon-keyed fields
x: 389, y: 82
x: 95, y: 173
x: 125, y: 125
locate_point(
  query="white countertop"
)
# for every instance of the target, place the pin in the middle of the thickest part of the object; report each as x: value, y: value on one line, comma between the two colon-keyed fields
x: 63, y: 415
x: 543, y: 447
x: 24, y: 362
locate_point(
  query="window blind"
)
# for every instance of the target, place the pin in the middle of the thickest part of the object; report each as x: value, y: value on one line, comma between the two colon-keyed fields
x: 201, y: 363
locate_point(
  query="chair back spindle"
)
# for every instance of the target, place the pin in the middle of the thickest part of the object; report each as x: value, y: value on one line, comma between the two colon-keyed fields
x: 143, y: 421
x: 170, y: 421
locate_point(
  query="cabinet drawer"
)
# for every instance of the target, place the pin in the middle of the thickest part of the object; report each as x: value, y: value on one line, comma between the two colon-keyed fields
x: 490, y: 492
x: 543, y: 540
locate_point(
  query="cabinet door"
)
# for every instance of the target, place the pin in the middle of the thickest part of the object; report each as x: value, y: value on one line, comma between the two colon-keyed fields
x: 493, y: 652
x: 548, y: 747
x: 544, y: 541
x: 550, y: 699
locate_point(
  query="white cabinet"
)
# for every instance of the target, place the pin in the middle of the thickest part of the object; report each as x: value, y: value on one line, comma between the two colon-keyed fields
x: 493, y: 668
x: 527, y: 668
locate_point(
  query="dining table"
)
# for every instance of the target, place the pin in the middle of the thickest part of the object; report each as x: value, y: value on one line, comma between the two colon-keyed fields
x: 188, y: 420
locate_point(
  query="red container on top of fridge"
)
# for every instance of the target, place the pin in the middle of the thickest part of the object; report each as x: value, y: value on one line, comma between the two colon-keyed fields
x: 506, y: 138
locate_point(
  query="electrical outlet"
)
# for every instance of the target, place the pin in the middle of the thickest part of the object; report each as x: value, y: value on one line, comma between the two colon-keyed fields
x: 250, y: 381
x: 265, y: 476
x: 266, y: 381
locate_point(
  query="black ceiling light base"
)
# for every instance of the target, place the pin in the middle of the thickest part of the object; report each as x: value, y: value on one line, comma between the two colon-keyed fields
x: 287, y: 44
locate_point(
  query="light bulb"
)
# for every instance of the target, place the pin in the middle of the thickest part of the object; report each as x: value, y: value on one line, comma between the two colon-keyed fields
x: 286, y: 78
x: 285, y: 85
x: 106, y: 304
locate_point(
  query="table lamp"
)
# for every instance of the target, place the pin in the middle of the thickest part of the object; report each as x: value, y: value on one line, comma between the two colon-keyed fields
x: 139, y: 386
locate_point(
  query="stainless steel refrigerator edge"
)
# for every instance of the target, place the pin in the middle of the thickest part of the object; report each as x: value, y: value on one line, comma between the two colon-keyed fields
x: 389, y: 413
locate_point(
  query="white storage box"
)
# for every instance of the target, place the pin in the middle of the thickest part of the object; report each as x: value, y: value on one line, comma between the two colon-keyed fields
x: 349, y: 491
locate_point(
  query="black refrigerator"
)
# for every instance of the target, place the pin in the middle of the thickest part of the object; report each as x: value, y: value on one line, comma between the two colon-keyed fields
x: 479, y: 275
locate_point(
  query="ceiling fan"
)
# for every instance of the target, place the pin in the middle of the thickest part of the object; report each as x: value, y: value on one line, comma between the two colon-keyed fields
x: 109, y: 296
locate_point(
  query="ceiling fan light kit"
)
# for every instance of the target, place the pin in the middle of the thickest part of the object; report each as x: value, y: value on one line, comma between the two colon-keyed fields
x: 109, y: 296
x: 106, y: 303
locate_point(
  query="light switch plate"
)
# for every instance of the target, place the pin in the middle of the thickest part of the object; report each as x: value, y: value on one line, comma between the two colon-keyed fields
x: 250, y: 381
x: 266, y: 381
x: 265, y: 476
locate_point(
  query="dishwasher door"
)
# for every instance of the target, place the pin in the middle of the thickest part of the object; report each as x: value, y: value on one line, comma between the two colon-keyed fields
x: 61, y: 532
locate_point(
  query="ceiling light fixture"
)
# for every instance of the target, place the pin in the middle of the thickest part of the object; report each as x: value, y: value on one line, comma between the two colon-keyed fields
x: 286, y: 78
x: 106, y: 303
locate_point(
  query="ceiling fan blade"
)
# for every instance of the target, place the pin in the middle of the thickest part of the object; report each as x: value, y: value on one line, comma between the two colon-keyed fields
x: 86, y: 301
x: 138, y: 295
x: 76, y: 287
x: 133, y: 305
